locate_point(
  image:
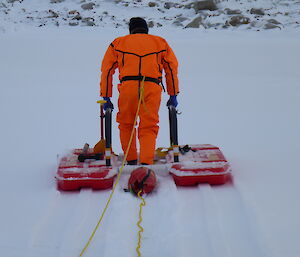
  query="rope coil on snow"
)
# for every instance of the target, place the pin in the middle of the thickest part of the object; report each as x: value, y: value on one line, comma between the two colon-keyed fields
x: 141, y: 229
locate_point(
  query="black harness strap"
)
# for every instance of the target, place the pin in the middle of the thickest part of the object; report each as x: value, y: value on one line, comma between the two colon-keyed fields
x: 141, y: 184
x: 140, y: 78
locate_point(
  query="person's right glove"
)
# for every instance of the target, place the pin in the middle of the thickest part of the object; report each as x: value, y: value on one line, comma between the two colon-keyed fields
x: 172, y: 101
x: 108, y: 104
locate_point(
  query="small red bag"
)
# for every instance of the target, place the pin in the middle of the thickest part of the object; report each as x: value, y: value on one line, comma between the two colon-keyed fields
x: 142, y: 179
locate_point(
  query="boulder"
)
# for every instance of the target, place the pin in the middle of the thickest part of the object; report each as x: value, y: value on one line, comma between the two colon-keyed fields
x: 77, y: 17
x: 273, y: 21
x: 151, y: 4
x: 89, y: 21
x: 53, y: 14
x: 73, y: 24
x: 257, y: 11
x: 271, y: 26
x: 232, y: 12
x: 169, y: 5
x: 213, y: 25
x: 181, y: 19
x: 238, y: 20
x: 73, y: 12
x: 178, y: 21
x: 56, y: 1
x: 195, y: 23
x: 88, y: 6
x: 150, y: 24
x: 204, y: 5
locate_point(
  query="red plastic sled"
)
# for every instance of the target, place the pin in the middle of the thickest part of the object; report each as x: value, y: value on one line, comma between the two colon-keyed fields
x: 73, y: 175
x: 201, y: 164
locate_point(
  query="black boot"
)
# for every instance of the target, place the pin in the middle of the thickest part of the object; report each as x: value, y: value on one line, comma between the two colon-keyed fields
x: 143, y: 163
x: 133, y: 162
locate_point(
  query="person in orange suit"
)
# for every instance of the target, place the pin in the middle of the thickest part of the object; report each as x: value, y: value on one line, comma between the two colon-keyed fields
x: 140, y: 58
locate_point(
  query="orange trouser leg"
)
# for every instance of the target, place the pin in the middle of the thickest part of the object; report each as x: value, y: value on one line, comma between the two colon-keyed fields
x: 125, y: 133
x: 127, y: 103
x: 148, y: 125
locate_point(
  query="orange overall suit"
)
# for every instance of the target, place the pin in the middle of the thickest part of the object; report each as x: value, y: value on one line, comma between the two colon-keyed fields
x: 139, y: 56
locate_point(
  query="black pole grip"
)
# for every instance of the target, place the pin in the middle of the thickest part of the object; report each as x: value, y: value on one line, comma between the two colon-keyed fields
x: 108, y: 122
x: 174, y: 132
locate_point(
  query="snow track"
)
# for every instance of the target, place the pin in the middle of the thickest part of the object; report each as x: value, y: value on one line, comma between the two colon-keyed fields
x: 239, y: 225
x: 118, y: 225
x: 223, y: 224
x: 162, y: 205
x: 66, y: 223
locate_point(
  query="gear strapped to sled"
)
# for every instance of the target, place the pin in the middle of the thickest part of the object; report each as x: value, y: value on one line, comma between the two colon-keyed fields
x: 188, y: 164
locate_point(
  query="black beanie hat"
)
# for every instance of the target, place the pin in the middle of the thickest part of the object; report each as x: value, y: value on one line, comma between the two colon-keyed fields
x: 138, y: 25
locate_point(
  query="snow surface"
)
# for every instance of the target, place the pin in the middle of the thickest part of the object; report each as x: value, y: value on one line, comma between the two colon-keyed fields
x: 239, y: 91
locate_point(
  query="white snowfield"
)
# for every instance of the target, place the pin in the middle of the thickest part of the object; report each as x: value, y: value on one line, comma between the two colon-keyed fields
x: 239, y: 91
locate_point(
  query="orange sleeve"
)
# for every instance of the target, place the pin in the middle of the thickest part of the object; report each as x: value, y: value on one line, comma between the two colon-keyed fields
x: 108, y: 67
x: 170, y: 65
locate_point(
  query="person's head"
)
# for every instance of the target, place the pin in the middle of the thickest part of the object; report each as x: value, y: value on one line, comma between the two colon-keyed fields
x: 138, y: 25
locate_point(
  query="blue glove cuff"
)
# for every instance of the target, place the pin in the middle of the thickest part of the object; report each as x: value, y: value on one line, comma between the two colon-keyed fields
x: 172, y: 101
x: 108, y: 104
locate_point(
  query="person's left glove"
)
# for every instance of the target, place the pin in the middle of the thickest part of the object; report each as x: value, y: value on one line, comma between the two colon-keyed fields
x: 172, y: 101
x: 108, y: 104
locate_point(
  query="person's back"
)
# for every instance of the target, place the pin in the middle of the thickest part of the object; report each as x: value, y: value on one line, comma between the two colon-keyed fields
x: 140, y: 54
x: 140, y: 58
x: 143, y: 55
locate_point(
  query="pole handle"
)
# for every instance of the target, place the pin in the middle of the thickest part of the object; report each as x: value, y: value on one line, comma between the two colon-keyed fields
x: 174, y: 132
x: 108, y: 136
x: 101, y: 102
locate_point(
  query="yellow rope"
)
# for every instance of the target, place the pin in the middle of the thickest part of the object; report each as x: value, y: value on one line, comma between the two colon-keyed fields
x: 141, y: 229
x: 119, y: 174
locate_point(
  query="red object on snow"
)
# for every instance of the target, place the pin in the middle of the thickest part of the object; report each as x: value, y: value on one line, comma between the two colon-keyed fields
x: 73, y: 175
x: 143, y: 179
x: 201, y: 164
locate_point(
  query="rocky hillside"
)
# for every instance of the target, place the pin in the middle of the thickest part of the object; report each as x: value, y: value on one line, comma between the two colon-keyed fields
x: 209, y: 14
